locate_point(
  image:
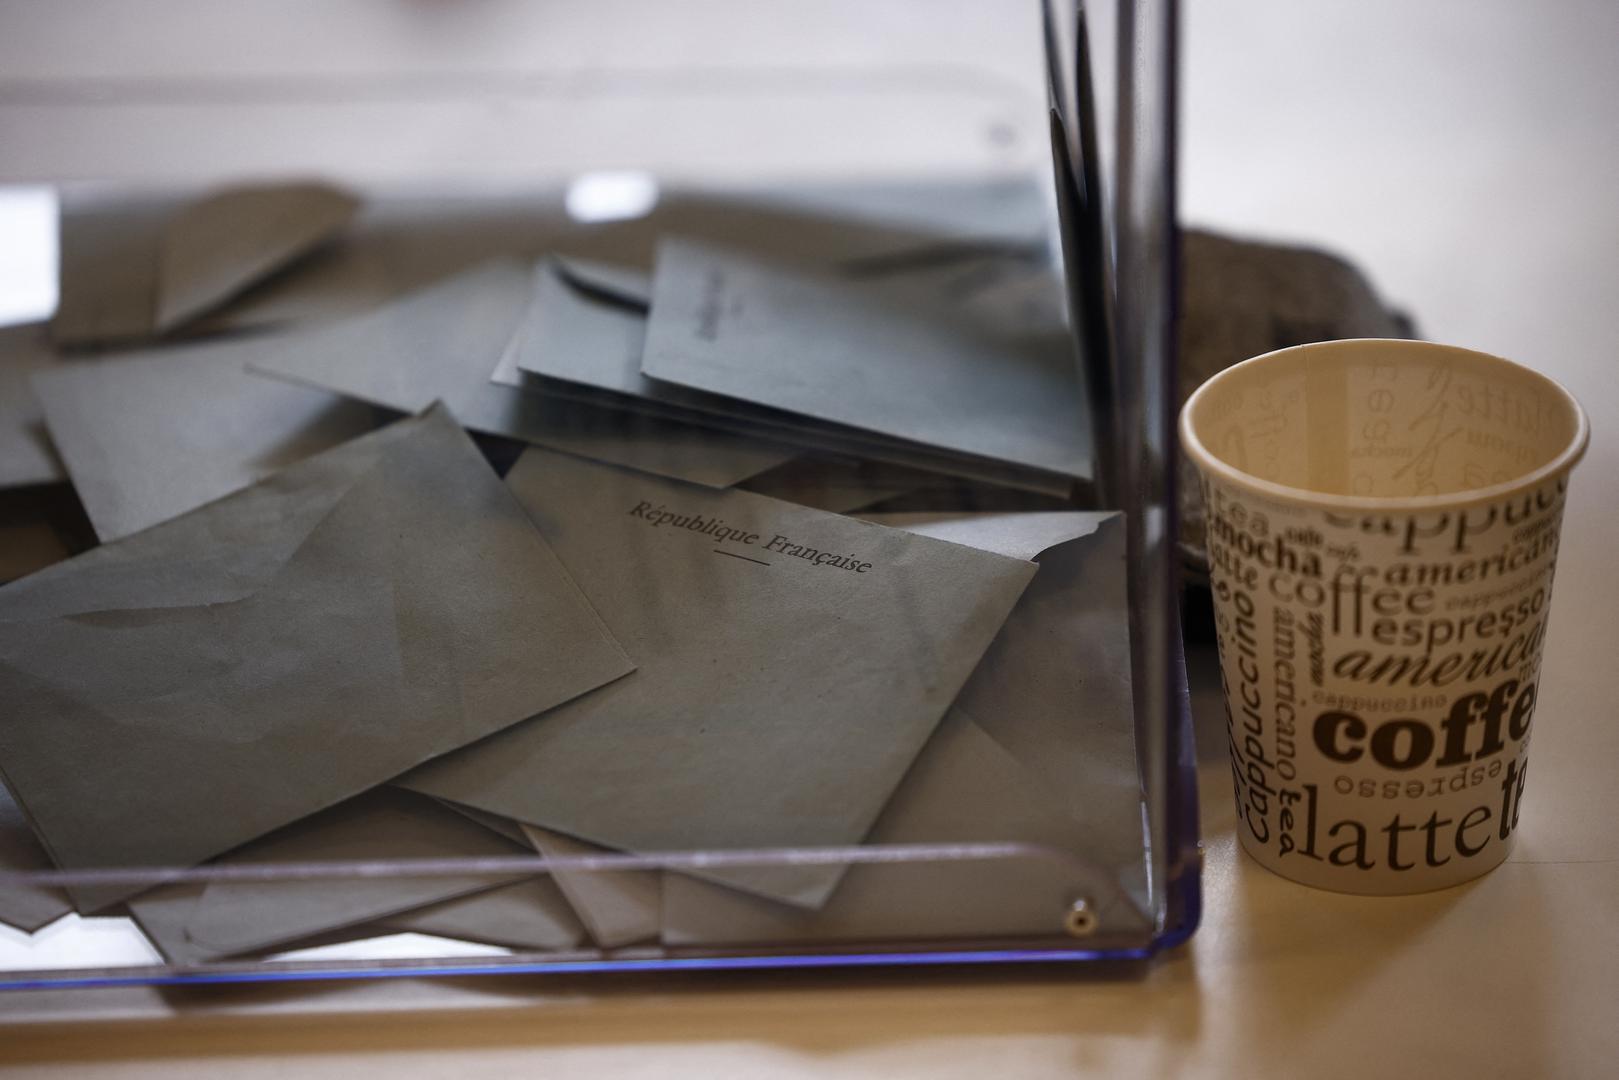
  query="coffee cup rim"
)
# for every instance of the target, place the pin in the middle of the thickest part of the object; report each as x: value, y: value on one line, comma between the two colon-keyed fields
x: 1210, y: 464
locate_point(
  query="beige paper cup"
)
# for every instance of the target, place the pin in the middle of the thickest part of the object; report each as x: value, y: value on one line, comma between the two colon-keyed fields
x: 1383, y: 522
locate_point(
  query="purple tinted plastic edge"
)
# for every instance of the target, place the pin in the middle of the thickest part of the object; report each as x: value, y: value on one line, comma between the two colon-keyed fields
x: 721, y: 963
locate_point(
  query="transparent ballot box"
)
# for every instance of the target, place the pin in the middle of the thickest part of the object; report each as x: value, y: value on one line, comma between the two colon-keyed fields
x: 472, y: 512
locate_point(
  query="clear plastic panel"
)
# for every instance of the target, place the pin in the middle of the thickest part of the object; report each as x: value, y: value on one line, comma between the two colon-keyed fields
x: 515, y: 619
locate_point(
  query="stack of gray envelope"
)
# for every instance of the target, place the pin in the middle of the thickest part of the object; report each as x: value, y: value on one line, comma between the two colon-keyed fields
x: 443, y: 529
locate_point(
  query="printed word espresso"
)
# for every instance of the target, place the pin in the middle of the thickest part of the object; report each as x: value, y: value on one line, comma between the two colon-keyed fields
x: 660, y: 516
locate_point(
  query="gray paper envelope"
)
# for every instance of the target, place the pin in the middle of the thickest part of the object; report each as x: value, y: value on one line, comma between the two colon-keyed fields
x: 530, y: 914
x: 227, y: 918
x: 790, y: 665
x: 385, y: 824
x: 837, y: 484
x: 618, y: 907
x: 402, y: 241
x: 1054, y: 688
x: 277, y: 651
x: 833, y: 350
x: 583, y: 336
x: 1010, y: 290
x: 501, y: 826
x: 963, y: 789
x: 107, y: 266
x: 585, y: 331
x: 26, y: 453
x: 442, y: 342
x: 110, y: 285
x: 1017, y: 535
x: 623, y: 285
x: 136, y: 265
x: 162, y: 914
x: 1046, y: 756
x: 216, y: 246
x: 150, y: 435
x: 25, y: 906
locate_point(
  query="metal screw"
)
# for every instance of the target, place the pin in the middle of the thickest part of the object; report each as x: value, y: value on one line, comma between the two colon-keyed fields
x: 1080, y: 921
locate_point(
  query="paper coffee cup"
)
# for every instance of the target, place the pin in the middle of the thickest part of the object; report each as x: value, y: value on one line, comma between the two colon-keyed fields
x: 1383, y: 523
